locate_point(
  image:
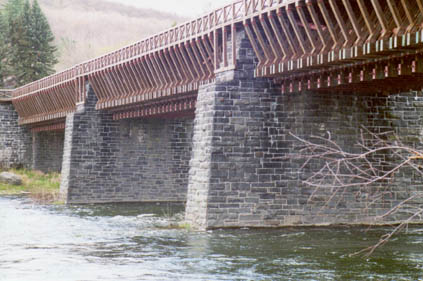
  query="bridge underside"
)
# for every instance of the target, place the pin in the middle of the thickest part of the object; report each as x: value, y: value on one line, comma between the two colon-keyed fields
x: 205, y: 112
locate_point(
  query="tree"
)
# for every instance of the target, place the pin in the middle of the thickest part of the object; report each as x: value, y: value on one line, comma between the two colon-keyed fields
x: 2, y: 50
x: 29, y: 50
x: 21, y: 58
x: 14, y: 36
x: 13, y: 8
x: 8, y: 18
x: 41, y: 39
x: 335, y: 170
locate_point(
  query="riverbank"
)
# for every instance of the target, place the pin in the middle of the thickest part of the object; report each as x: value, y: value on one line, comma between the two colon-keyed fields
x: 41, y: 187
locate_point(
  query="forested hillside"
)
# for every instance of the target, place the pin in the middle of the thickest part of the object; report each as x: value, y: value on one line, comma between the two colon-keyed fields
x: 85, y: 29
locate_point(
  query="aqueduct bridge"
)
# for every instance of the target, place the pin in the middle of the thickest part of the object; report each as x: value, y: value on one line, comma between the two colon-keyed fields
x: 202, y: 112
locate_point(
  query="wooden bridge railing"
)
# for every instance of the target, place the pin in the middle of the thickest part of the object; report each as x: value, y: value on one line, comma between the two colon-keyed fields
x: 5, y: 94
x: 306, y: 44
x: 340, y: 44
x: 172, y: 62
x: 47, y: 99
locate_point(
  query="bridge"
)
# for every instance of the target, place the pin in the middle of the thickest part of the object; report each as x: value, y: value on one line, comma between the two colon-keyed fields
x: 202, y: 112
x: 5, y: 95
x: 306, y: 45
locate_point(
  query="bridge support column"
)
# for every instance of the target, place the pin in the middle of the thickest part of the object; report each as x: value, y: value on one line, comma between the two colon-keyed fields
x: 15, y: 140
x: 230, y: 138
x: 88, y: 156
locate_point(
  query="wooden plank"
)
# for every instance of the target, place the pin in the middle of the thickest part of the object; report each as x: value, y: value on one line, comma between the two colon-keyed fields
x: 253, y: 41
x: 341, y: 23
x: 329, y: 25
x: 412, y: 17
x: 292, y: 43
x: 396, y: 16
x: 279, y: 37
x: 297, y: 32
x: 381, y: 17
x: 354, y: 22
x: 268, y: 54
x: 300, y: 6
x: 324, y: 38
x: 278, y: 53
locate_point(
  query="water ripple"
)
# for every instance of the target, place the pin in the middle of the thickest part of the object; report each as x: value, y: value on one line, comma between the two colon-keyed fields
x: 137, y: 242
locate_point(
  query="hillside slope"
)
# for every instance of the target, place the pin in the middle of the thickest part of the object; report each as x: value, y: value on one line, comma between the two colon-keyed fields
x: 85, y: 29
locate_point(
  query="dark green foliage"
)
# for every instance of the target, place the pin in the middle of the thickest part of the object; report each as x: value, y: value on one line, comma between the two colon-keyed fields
x: 2, y: 51
x: 42, y: 43
x: 11, y: 16
x: 20, y: 48
x: 28, y: 42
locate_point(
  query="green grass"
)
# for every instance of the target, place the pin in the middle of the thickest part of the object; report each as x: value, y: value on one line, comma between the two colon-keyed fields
x: 44, y: 188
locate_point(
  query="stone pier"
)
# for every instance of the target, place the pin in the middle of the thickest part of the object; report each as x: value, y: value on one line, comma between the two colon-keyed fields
x: 140, y: 160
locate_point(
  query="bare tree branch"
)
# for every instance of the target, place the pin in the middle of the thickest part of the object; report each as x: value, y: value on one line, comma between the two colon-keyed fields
x: 368, y: 168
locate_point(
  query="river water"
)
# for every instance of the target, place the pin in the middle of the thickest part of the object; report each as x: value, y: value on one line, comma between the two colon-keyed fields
x: 136, y: 242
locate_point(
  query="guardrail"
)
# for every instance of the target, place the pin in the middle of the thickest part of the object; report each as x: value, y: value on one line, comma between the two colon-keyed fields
x: 192, y: 52
x: 226, y: 16
x: 5, y: 94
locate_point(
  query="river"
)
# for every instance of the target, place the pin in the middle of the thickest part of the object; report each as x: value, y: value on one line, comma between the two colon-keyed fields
x: 137, y: 242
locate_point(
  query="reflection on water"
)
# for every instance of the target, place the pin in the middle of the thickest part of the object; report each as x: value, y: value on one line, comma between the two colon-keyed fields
x: 134, y: 242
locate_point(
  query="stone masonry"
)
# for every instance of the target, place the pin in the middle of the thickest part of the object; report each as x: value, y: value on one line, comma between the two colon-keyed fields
x: 15, y: 141
x: 241, y: 174
x: 48, y: 151
x: 228, y: 147
x: 124, y: 161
